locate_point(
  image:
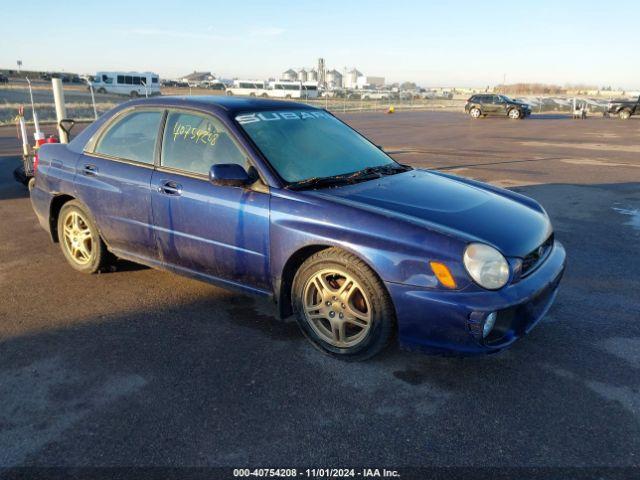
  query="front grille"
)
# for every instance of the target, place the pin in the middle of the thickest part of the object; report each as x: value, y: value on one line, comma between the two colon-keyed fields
x: 533, y: 259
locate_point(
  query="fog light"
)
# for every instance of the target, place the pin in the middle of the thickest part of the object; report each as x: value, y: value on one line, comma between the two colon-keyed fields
x: 488, y: 325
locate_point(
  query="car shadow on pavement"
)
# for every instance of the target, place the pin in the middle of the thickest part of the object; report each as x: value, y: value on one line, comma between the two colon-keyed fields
x: 218, y: 381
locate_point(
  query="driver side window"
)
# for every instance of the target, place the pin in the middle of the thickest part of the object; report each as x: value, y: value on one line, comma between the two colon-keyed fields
x: 194, y: 142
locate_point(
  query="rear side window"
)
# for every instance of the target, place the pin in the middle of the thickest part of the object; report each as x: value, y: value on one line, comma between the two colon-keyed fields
x: 194, y: 142
x: 132, y: 138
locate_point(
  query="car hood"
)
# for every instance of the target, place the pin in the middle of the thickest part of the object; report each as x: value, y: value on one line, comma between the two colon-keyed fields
x: 451, y: 205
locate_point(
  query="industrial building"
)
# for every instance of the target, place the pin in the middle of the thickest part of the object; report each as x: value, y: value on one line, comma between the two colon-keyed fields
x: 333, y: 79
x: 353, y: 79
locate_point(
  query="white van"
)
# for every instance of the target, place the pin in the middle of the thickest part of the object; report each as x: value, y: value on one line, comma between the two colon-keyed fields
x: 288, y: 89
x: 134, y: 84
x: 252, y: 88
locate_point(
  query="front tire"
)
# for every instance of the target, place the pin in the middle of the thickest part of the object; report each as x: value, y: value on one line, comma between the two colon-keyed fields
x: 475, y: 113
x: 514, y: 114
x: 80, y: 240
x: 341, y: 306
x: 624, y: 114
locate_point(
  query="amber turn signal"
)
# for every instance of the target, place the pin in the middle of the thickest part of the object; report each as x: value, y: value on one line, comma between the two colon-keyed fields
x: 443, y: 274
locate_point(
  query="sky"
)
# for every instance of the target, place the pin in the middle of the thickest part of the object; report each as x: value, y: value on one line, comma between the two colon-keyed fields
x: 432, y: 43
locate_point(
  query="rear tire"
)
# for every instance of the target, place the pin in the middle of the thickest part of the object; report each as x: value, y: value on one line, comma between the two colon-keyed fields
x: 475, y: 113
x: 102, y: 90
x: 624, y: 114
x: 341, y: 306
x: 80, y: 240
x: 134, y: 94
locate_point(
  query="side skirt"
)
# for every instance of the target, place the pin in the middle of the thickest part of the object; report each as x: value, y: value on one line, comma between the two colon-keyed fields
x: 219, y: 282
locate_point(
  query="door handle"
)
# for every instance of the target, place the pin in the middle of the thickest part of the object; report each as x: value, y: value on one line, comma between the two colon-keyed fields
x: 170, y: 188
x: 90, y: 169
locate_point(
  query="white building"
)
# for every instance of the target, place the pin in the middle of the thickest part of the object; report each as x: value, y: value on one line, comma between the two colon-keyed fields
x: 302, y: 75
x: 366, y: 81
x: 312, y: 75
x: 334, y: 79
x: 351, y: 79
x: 289, y: 76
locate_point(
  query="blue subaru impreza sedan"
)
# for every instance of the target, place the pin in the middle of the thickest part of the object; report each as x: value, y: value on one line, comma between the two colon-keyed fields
x: 281, y: 199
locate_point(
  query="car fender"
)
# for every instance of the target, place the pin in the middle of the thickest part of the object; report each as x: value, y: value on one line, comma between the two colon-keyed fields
x: 397, y: 251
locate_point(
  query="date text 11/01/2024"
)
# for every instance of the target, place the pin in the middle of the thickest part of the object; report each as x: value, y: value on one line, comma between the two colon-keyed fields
x: 317, y: 472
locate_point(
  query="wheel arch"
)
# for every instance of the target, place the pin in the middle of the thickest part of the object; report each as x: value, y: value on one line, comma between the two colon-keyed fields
x: 54, y: 211
x: 285, y: 282
x: 476, y: 106
x: 515, y: 107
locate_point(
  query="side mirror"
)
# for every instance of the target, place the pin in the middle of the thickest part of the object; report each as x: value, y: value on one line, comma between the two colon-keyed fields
x: 229, y: 174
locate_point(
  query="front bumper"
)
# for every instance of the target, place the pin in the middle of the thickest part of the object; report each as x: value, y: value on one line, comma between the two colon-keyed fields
x: 439, y: 321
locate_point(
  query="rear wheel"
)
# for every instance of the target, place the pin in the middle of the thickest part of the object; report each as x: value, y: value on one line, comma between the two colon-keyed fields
x: 102, y: 90
x: 79, y: 239
x: 133, y: 94
x: 475, y: 112
x: 229, y: 93
x: 624, y: 114
x: 341, y: 305
x: 515, y: 114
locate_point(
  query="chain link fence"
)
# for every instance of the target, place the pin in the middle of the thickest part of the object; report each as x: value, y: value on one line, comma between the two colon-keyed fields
x: 80, y: 106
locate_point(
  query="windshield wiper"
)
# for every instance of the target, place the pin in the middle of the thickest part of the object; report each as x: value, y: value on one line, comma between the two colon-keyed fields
x: 369, y: 173
x: 319, y: 182
x: 379, y: 171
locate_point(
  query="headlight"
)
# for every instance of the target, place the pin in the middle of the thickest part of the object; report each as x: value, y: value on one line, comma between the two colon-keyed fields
x: 486, y: 265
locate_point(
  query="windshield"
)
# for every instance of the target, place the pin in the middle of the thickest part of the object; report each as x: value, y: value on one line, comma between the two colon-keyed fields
x: 306, y: 144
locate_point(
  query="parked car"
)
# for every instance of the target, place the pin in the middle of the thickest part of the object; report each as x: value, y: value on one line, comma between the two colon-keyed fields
x: 284, y: 200
x: 624, y: 108
x: 4, y: 78
x: 374, y: 95
x: 485, y: 104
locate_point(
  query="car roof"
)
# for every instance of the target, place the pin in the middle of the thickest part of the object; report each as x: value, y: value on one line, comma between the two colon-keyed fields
x: 229, y: 105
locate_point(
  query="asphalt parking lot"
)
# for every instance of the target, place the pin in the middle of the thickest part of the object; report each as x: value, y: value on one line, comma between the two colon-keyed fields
x: 140, y: 367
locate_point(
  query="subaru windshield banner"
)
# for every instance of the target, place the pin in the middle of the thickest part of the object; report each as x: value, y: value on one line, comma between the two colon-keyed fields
x: 277, y: 116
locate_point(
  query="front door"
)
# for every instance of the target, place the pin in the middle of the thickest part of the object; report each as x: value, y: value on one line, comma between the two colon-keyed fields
x: 218, y: 233
x: 114, y: 181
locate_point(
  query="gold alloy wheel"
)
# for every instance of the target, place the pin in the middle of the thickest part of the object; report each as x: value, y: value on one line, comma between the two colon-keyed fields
x: 337, y: 308
x: 77, y: 238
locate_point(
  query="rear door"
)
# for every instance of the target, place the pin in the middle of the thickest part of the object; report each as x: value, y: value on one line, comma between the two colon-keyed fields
x: 114, y: 181
x: 216, y: 232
